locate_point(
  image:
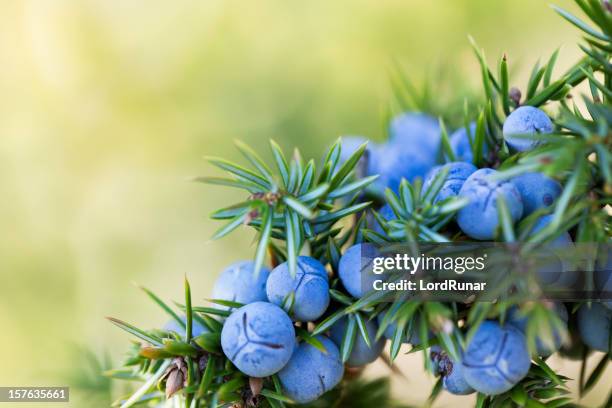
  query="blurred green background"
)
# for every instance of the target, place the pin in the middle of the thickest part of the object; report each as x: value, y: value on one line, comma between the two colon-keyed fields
x: 107, y: 108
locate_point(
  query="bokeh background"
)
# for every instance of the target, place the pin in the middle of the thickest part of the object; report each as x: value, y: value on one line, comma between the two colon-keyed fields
x: 107, y: 108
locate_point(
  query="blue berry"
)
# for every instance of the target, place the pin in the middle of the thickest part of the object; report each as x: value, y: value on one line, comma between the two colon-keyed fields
x: 537, y: 191
x: 237, y: 283
x: 196, y: 327
x: 310, y: 373
x: 543, y: 348
x: 479, y: 218
x: 355, y: 269
x: 595, y: 326
x: 461, y: 143
x: 361, y: 354
x: 451, y: 371
x: 310, y: 287
x: 552, y: 270
x: 402, y: 162
x: 416, y: 129
x: 258, y: 338
x: 525, y: 120
x: 453, y: 378
x: 562, y: 241
x: 458, y: 172
x: 495, y: 359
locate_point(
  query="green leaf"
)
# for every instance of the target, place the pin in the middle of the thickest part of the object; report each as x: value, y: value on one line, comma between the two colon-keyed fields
x: 333, y: 253
x: 256, y: 161
x: 242, y: 184
x: 264, y: 238
x: 307, y: 177
x: 549, y: 67
x: 292, y: 245
x: 545, y: 94
x: 276, y: 396
x: 596, y: 374
x: 436, y: 184
x: 363, y: 329
x: 581, y: 24
x: 568, y: 192
x: 149, y: 338
x: 232, y: 225
x: 312, y: 340
x: 207, y: 377
x: 240, y: 172
x: 340, y: 297
x: 592, y: 80
x: 481, y: 401
x: 348, y: 340
x: 506, y: 222
x: 479, y: 138
x: 315, y: 194
x: 331, y: 160
x: 534, y: 80
x: 298, y: 207
x: 281, y: 162
x: 334, y: 216
x: 519, y: 396
x: 164, y: 306
x: 347, y: 167
x: 446, y: 146
x: 210, y: 342
x: 399, y: 336
x: 531, y: 403
x: 504, y: 84
x: 179, y: 348
x: 328, y: 322
x: 188, y: 312
x: 549, y: 371
x: 353, y: 187
x: 226, y: 303
x: 147, y: 386
x: 232, y: 211
x: 227, y: 389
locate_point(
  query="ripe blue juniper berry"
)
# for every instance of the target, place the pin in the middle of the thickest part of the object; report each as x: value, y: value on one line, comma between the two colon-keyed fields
x: 544, y: 346
x: 595, y: 325
x: 462, y: 143
x: 537, y: 191
x: 361, y: 353
x: 417, y: 131
x: 258, y: 338
x: 451, y: 372
x: 309, y: 289
x: 457, y: 173
x: 238, y: 283
x: 479, y: 219
x: 244, y: 349
x: 552, y: 270
x: 354, y: 269
x: 311, y: 372
x: 526, y: 120
x: 496, y: 358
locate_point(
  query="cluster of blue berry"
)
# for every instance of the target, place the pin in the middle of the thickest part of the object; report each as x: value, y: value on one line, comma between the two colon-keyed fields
x: 260, y: 337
